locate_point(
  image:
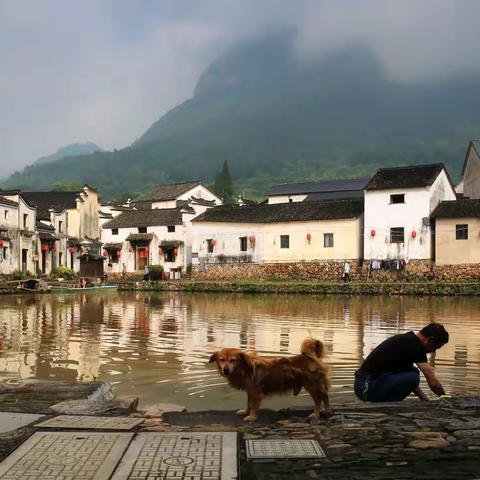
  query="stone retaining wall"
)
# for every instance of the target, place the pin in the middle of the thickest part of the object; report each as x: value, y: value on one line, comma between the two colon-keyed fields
x: 413, y: 271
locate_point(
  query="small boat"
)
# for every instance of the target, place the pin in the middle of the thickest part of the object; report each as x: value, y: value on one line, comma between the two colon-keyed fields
x: 67, y: 289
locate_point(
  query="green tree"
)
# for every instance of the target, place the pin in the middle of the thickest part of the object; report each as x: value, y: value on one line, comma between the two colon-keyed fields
x: 223, y: 186
x: 66, y: 186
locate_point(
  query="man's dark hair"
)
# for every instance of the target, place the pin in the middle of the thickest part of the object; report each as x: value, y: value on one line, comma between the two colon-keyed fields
x: 437, y: 331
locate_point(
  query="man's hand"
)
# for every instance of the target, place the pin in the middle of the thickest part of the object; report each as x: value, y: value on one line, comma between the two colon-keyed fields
x: 433, y: 382
x: 419, y: 393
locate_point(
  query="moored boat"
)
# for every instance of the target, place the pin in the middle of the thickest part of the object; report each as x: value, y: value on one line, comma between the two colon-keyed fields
x: 67, y: 289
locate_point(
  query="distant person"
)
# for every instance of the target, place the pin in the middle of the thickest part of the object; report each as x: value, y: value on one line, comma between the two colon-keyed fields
x: 124, y: 271
x: 346, y: 272
x: 146, y: 273
x: 388, y: 374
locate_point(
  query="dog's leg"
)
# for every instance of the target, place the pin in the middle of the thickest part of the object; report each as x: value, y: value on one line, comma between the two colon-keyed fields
x: 317, y: 397
x: 247, y: 410
x: 326, y: 402
x: 254, y: 406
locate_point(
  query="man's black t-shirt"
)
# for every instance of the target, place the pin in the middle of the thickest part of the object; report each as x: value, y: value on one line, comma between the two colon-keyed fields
x: 396, y: 354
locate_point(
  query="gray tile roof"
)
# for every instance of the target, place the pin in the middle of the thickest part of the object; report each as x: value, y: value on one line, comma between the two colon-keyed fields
x: 8, y: 202
x: 284, y: 212
x: 146, y: 218
x: 320, y: 186
x: 413, y: 176
x: 140, y: 237
x: 45, y: 201
x: 167, y: 192
x: 462, y: 208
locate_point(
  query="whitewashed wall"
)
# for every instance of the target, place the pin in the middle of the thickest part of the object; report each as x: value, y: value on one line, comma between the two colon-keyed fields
x: 380, y: 216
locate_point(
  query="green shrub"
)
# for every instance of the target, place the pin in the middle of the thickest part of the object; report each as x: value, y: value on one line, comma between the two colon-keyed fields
x: 63, y: 272
x: 155, y: 268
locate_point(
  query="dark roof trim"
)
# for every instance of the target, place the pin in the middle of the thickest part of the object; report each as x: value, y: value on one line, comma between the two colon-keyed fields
x: 284, y: 212
x: 112, y: 246
x: 139, y: 237
x: 462, y: 208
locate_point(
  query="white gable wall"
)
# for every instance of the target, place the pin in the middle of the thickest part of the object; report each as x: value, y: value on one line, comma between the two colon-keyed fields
x: 380, y: 216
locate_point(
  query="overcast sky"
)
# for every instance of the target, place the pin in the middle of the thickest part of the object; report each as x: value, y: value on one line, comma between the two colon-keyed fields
x: 105, y: 70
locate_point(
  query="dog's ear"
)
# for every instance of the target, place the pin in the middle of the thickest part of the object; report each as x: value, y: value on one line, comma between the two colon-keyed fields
x: 247, y: 361
x: 319, y: 348
x: 213, y: 358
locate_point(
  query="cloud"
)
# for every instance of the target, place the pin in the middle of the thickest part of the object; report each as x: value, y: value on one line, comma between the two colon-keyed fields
x: 104, y: 71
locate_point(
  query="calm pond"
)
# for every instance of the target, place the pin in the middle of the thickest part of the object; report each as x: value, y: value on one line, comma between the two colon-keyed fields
x: 157, y: 345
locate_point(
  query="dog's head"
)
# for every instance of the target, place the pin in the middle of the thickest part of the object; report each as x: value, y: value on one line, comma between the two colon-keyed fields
x: 232, y: 360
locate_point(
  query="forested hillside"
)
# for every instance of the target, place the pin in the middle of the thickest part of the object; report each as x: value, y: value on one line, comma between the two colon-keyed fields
x: 278, y: 118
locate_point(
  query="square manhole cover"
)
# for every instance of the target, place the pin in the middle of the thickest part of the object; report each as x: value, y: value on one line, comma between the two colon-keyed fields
x: 91, y: 423
x: 66, y: 455
x: 270, y: 450
x: 182, y: 456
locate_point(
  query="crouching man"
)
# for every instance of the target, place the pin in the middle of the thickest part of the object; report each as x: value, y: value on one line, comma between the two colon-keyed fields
x: 388, y: 374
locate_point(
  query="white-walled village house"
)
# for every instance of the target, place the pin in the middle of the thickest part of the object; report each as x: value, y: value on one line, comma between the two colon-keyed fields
x: 156, y: 229
x: 398, y: 205
x: 282, y: 232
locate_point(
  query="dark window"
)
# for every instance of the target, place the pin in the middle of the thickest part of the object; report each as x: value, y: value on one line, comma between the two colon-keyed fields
x: 243, y: 244
x: 5, y: 215
x: 398, y: 198
x: 114, y: 231
x: 25, y: 221
x: 210, y: 245
x: 60, y: 226
x: 142, y: 229
x: 290, y: 200
x: 284, y: 241
x: 461, y: 231
x: 171, y: 228
x: 328, y: 240
x: 397, y: 235
x: 5, y: 252
x: 169, y: 255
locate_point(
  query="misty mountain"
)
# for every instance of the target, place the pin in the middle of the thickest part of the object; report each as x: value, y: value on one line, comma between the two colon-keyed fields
x: 280, y: 117
x: 69, y: 151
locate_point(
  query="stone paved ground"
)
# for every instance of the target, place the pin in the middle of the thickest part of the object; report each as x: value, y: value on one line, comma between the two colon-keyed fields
x: 411, y: 440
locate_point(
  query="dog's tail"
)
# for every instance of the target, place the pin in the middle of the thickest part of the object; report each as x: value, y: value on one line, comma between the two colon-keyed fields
x: 313, y: 349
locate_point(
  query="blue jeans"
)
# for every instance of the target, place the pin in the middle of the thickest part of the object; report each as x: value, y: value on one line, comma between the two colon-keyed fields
x: 387, y: 387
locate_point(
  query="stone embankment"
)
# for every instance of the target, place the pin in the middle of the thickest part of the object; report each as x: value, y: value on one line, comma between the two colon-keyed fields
x: 311, y: 287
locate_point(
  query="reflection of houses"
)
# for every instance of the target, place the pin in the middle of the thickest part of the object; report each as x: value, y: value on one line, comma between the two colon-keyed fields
x: 155, y: 228
x: 398, y: 204
x: 18, y: 240
x: 282, y: 232
x: 316, y: 191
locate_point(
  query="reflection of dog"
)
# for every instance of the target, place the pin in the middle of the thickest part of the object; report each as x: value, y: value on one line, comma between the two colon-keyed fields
x: 261, y: 376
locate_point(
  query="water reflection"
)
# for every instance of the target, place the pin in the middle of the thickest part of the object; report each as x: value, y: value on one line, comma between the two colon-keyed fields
x: 157, y: 345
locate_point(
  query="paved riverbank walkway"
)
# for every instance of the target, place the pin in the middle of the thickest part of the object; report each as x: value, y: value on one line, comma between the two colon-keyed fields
x: 410, y: 440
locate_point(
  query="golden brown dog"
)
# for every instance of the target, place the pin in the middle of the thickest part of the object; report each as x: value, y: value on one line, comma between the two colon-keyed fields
x: 262, y: 376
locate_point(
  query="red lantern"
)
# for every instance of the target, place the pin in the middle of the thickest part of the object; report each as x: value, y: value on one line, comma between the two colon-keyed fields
x: 72, y: 250
x: 175, y: 251
x: 82, y: 249
x: 373, y: 232
x: 105, y: 253
x: 213, y: 242
x: 44, y: 248
x: 118, y: 253
x: 251, y: 238
x: 55, y: 248
x: 414, y: 234
x: 1, y: 243
x: 160, y: 251
x: 130, y: 249
x: 309, y: 237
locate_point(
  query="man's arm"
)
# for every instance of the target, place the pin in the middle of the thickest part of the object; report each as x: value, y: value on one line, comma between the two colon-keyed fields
x: 432, y: 380
x: 419, y: 393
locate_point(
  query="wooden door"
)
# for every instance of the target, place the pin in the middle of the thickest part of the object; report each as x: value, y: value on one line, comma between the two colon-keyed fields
x: 142, y: 258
